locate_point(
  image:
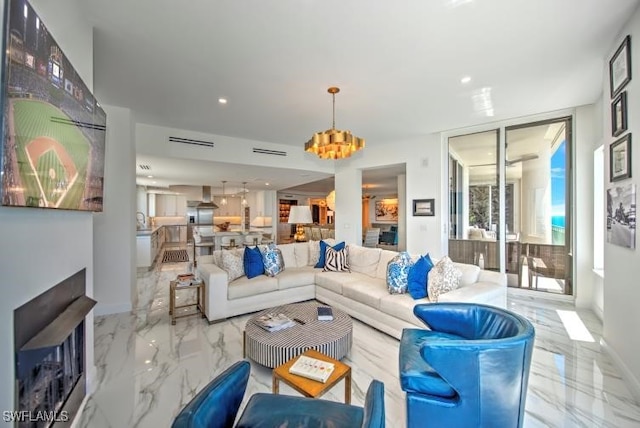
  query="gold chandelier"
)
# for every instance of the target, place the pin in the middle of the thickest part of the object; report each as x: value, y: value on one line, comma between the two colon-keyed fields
x: 333, y: 143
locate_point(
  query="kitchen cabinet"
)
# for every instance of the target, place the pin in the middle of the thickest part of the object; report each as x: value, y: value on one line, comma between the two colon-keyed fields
x: 147, y: 247
x: 170, y: 205
x: 232, y: 209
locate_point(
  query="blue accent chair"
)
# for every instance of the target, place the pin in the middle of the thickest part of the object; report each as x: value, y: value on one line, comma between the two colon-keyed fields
x: 216, y: 406
x: 470, y: 369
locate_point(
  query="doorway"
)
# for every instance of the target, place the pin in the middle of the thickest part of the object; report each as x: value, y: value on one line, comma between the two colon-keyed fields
x: 510, y: 203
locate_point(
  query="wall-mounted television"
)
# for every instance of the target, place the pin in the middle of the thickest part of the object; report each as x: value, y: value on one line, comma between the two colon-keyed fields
x: 53, y: 129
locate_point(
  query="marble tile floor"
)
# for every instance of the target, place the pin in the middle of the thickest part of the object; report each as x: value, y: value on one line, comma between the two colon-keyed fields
x: 148, y: 369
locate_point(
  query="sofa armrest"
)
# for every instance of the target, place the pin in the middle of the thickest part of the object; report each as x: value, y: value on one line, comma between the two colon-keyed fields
x: 216, y: 283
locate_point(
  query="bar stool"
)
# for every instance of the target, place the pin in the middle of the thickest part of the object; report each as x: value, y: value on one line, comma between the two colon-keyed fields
x: 229, y: 242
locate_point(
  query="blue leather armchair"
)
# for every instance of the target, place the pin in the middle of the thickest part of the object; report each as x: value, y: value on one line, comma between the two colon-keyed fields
x: 469, y: 370
x: 216, y: 406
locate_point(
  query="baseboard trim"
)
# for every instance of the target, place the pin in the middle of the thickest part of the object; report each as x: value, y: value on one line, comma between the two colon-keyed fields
x: 114, y: 308
x: 627, y: 375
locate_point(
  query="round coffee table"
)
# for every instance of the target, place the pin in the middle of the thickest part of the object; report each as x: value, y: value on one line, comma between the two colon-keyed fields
x: 271, y: 349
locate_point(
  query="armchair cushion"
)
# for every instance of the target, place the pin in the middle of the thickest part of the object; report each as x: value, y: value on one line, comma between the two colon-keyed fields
x: 217, y: 404
x: 268, y: 410
x: 416, y: 374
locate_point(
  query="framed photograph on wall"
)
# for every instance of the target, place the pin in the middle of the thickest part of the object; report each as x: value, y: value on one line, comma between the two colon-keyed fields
x: 620, y: 159
x: 619, y: 114
x: 621, y: 215
x: 424, y: 207
x: 387, y: 210
x: 620, y: 67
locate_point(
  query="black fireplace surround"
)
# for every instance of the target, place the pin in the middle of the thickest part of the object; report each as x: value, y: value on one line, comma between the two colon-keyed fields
x: 50, y: 365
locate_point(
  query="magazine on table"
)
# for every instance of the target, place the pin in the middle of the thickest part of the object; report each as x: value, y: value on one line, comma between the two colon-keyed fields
x: 325, y: 313
x: 274, y: 322
x: 312, y: 368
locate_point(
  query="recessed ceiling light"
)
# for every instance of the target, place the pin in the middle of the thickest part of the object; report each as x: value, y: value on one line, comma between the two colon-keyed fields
x: 153, y: 182
x: 149, y: 176
x: 465, y: 79
x: 222, y: 100
x: 266, y: 184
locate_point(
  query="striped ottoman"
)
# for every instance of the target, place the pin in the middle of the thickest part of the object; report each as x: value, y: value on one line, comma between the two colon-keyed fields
x: 271, y: 349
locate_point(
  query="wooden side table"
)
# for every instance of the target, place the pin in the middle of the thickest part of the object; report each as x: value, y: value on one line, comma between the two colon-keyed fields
x: 309, y: 387
x: 200, y: 300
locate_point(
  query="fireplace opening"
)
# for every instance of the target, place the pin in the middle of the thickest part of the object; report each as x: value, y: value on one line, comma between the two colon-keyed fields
x: 50, y: 354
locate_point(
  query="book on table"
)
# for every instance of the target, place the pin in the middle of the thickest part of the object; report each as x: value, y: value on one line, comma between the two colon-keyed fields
x: 312, y: 368
x: 325, y: 313
x: 274, y: 322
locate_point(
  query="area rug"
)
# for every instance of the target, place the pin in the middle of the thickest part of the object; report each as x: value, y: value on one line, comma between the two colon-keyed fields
x: 175, y: 256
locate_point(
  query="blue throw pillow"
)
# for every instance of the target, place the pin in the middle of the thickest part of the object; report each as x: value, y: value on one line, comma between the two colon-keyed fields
x: 323, y: 252
x: 253, y: 263
x: 398, y: 272
x: 273, y: 261
x: 419, y: 277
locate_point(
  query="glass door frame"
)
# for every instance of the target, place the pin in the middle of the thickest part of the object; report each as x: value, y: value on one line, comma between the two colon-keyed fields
x: 502, y: 128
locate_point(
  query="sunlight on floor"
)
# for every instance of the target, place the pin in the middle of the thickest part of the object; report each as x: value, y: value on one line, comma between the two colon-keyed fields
x: 574, y: 326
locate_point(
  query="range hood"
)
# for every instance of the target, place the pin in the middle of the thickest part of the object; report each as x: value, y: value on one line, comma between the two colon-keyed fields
x: 206, y: 199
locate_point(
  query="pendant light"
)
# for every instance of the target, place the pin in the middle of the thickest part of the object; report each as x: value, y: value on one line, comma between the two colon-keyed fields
x: 224, y: 196
x: 244, y: 193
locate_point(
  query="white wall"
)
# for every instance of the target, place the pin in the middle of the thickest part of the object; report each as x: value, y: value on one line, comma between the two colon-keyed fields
x: 621, y: 265
x: 588, y: 135
x: 115, y: 228
x: 42, y: 247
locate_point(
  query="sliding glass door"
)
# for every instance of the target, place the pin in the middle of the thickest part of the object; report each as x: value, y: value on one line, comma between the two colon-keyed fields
x: 510, y: 203
x: 474, y: 203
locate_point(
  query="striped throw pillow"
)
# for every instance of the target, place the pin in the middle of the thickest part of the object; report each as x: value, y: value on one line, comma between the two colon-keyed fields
x: 336, y: 261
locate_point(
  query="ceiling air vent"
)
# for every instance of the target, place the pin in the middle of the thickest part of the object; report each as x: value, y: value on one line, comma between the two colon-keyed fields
x: 269, y: 152
x: 191, y: 141
x: 145, y: 167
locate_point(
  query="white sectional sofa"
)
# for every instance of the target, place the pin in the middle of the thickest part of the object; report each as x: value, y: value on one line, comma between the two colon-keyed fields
x: 362, y: 293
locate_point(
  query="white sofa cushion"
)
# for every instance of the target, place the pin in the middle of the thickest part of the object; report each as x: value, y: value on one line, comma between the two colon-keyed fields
x: 245, y: 287
x: 333, y: 281
x: 401, y: 306
x: 385, y: 258
x: 470, y: 273
x: 364, y: 260
x: 288, y: 254
x: 301, y: 252
x: 296, y: 277
x: 364, y: 292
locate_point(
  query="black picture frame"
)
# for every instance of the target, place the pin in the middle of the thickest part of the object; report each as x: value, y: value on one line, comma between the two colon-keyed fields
x: 620, y: 159
x: 619, y: 114
x: 620, y: 67
x: 424, y: 207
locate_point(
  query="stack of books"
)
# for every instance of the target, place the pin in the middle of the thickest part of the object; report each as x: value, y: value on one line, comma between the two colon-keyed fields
x: 186, y: 279
x: 312, y: 368
x: 274, y: 322
x: 325, y: 313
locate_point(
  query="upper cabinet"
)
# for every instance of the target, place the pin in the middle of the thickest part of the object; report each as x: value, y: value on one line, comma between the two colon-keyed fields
x: 171, y: 205
x: 231, y: 209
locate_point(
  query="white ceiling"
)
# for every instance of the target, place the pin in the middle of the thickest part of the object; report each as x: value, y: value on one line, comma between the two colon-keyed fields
x: 398, y: 64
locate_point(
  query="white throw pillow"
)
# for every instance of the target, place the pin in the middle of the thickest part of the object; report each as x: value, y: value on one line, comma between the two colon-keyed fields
x: 233, y: 264
x: 443, y: 278
x: 314, y: 252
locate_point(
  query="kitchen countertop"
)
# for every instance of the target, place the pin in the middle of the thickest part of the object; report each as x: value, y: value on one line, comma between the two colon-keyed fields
x: 150, y: 230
